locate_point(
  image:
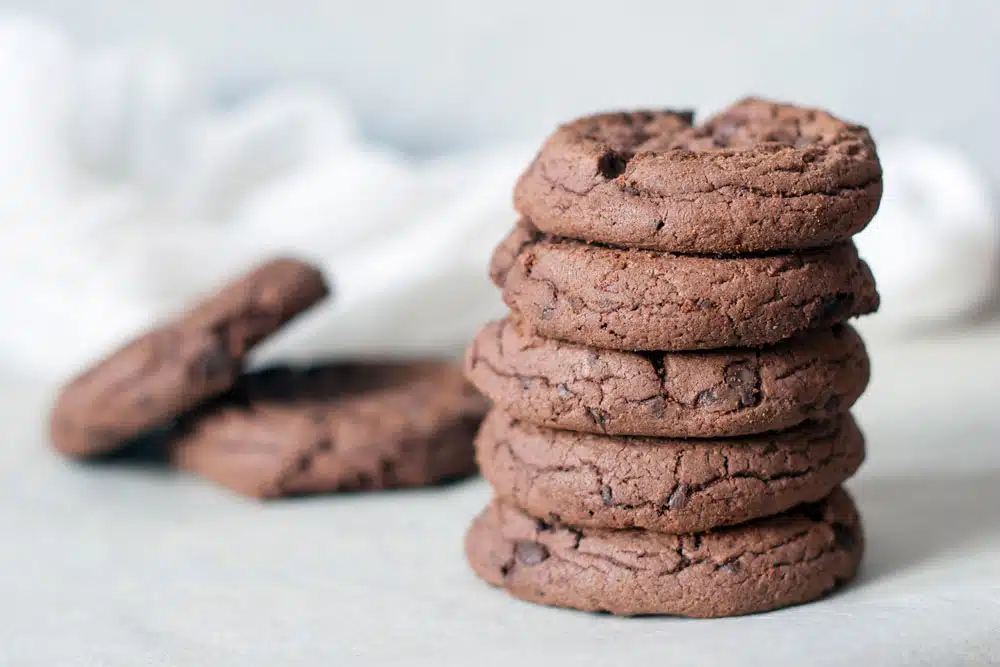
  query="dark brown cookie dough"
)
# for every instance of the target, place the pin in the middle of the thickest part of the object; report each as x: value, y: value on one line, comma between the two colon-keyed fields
x: 717, y: 393
x: 666, y: 485
x: 770, y: 563
x: 176, y: 366
x: 336, y: 428
x: 757, y: 177
x: 645, y: 300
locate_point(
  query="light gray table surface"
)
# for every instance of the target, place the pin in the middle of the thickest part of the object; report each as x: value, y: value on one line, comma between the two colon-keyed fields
x: 126, y: 565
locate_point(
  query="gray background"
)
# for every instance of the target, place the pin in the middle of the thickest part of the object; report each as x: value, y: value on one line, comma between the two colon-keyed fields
x: 437, y: 75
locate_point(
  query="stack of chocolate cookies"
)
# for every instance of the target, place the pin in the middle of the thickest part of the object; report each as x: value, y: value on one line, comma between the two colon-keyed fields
x: 671, y: 389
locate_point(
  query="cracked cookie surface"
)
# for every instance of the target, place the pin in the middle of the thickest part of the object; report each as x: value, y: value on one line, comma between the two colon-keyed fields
x: 667, y: 485
x: 783, y: 560
x: 816, y: 375
x: 759, y: 176
x: 174, y: 367
x: 645, y: 300
x: 343, y: 427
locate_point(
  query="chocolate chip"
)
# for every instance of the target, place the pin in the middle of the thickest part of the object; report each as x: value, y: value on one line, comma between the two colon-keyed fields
x: 678, y: 498
x: 656, y: 407
x: 606, y: 495
x: 744, y: 379
x: 706, y: 398
x: 611, y: 165
x: 730, y: 567
x: 599, y: 416
x: 530, y: 553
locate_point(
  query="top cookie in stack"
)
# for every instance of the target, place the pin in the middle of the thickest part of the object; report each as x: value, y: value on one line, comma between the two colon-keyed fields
x: 676, y: 375
x: 755, y: 178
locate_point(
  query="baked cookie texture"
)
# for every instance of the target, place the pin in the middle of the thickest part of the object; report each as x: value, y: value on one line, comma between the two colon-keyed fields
x: 672, y: 387
x: 759, y: 176
x: 181, y: 363
x: 816, y: 375
x: 645, y: 300
x: 661, y: 484
x: 775, y: 562
x: 342, y: 427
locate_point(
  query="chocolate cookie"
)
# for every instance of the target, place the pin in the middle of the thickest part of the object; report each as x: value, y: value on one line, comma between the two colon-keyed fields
x: 816, y: 375
x: 757, y: 177
x: 646, y: 300
x: 338, y: 427
x: 770, y: 563
x: 176, y: 366
x: 671, y: 486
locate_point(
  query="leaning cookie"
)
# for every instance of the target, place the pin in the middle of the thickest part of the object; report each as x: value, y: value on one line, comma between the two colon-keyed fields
x: 814, y: 376
x: 776, y: 562
x: 645, y: 300
x: 757, y: 177
x: 181, y: 363
x: 666, y: 485
x: 336, y: 428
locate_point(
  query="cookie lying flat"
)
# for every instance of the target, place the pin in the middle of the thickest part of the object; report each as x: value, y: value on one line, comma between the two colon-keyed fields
x: 757, y: 177
x: 338, y: 427
x: 645, y: 300
x: 816, y: 375
x: 671, y: 486
x: 176, y: 366
x: 776, y: 562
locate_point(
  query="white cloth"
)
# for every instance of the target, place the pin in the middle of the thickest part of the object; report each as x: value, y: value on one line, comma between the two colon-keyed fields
x: 124, y: 193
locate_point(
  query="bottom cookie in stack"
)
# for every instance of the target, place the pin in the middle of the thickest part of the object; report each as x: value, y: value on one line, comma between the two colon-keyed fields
x: 787, y: 559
